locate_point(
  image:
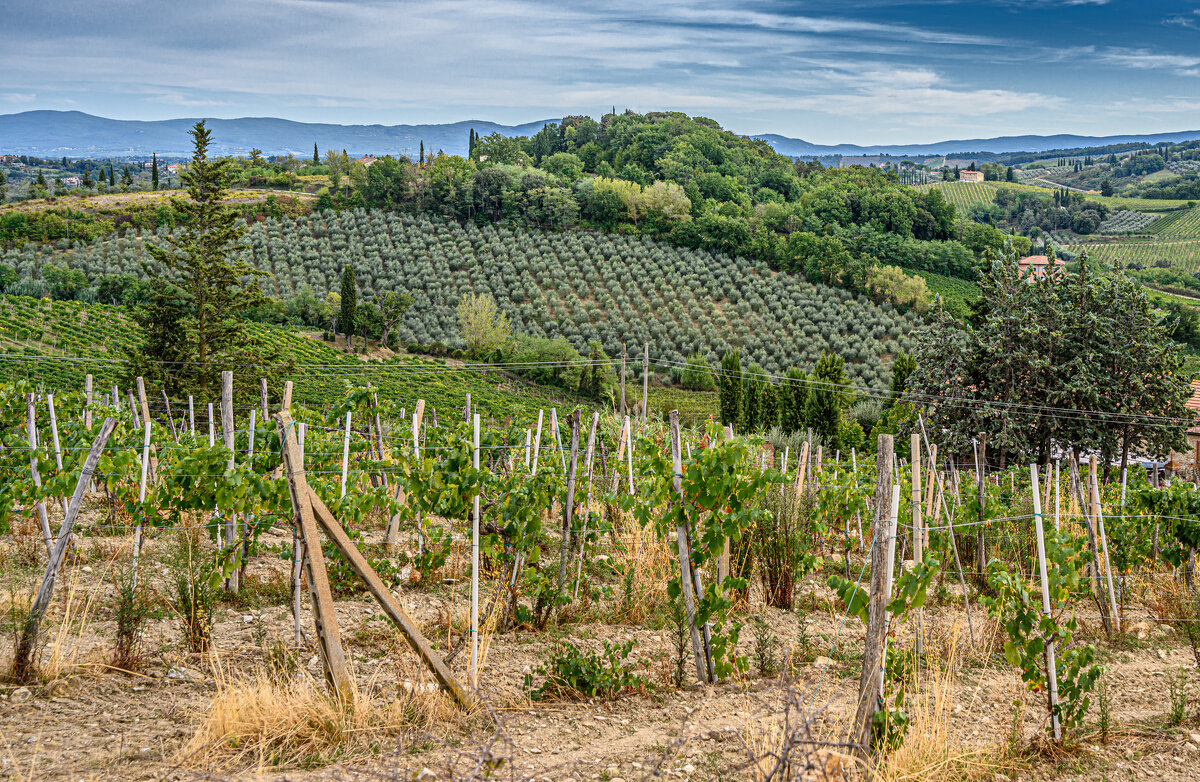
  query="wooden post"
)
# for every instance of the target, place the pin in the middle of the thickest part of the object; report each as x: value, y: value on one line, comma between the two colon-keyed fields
x: 137, y: 531
x: 287, y: 396
x: 685, y: 559
x: 191, y: 415
x: 31, y: 429
x: 170, y: 418
x: 537, y: 442
x: 212, y: 427
x: 28, y: 641
x: 133, y: 408
x: 1112, y: 600
x: 1051, y: 668
x: 232, y: 539
x: 569, y: 500
x: 57, y: 445
x: 143, y: 402
x: 980, y: 538
x: 474, y: 671
x: 317, y: 510
x: 554, y: 431
x: 346, y: 454
x: 116, y: 397
x: 1106, y: 618
x: 87, y: 402
x: 645, y: 383
x: 869, y: 700
x: 801, y: 471
x: 894, y: 515
x: 622, y: 409
x: 918, y: 533
x: 262, y: 393
x: 328, y: 637
x: 588, y: 462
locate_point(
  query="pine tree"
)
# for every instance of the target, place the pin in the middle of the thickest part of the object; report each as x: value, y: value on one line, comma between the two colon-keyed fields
x: 349, y: 311
x: 316, y: 155
x: 153, y: 171
x: 126, y: 177
x: 41, y: 179
x: 112, y: 178
x: 86, y: 180
x: 202, y: 290
x: 730, y: 385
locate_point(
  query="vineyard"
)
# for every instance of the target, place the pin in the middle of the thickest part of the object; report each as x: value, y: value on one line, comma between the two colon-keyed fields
x: 1184, y: 253
x: 611, y: 288
x: 1180, y: 223
x: 964, y: 195
x: 570, y: 593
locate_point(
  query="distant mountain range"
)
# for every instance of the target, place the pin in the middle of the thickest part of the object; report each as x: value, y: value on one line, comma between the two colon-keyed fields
x: 795, y: 147
x: 75, y: 134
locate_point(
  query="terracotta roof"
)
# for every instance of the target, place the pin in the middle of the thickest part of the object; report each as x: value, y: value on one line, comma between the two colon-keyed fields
x: 1193, y: 404
x: 1039, y: 260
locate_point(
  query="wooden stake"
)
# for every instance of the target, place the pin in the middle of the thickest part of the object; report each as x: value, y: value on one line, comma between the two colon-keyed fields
x: 588, y: 461
x: 31, y: 430
x: 87, y: 403
x: 1106, y: 618
x: 232, y: 538
x: 685, y: 559
x: 980, y: 538
x: 537, y: 443
x: 918, y: 532
x: 869, y: 700
x: 28, y: 643
x: 569, y: 500
x: 1051, y: 671
x: 137, y: 531
x: 346, y: 454
x: 57, y: 446
x: 1112, y: 600
x: 622, y: 410
x: 645, y: 382
x: 262, y: 393
x: 191, y: 416
x: 329, y: 639
x: 475, y: 521
x: 170, y: 418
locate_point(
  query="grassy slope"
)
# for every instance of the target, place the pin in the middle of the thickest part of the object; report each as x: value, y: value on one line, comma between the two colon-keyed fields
x: 41, y: 329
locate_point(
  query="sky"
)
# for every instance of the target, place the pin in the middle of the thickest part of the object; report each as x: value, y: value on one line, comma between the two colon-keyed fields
x: 870, y: 72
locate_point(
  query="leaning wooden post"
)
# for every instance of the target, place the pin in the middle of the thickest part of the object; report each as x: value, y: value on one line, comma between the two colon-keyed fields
x: 328, y: 637
x: 57, y: 445
x: 31, y: 428
x: 588, y: 463
x: 685, y: 558
x: 170, y: 418
x: 1112, y: 600
x: 231, y: 521
x: 980, y: 538
x: 1051, y: 669
x: 28, y: 641
x: 869, y: 701
x: 569, y: 500
x: 474, y: 674
x: 1106, y: 618
x: 537, y: 442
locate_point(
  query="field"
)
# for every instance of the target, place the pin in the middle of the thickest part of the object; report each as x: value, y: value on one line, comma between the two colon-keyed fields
x: 956, y: 294
x: 591, y: 679
x: 1181, y: 223
x: 1184, y: 253
x: 965, y: 194
x: 611, y: 288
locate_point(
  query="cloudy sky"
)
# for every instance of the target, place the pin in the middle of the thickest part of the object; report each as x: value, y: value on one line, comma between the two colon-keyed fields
x: 860, y: 72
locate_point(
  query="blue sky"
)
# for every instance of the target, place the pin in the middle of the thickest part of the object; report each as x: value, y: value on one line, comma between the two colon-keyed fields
x: 867, y: 72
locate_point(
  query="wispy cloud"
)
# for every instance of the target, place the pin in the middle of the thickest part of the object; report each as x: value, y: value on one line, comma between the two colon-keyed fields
x: 1191, y: 21
x: 18, y: 97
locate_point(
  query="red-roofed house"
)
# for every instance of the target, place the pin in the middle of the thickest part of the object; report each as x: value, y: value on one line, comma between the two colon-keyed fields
x: 367, y: 160
x: 1039, y: 265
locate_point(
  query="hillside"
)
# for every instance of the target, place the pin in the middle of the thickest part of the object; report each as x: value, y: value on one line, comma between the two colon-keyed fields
x: 55, y: 343
x: 583, y: 286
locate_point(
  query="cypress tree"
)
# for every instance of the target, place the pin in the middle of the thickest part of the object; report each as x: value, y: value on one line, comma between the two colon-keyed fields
x: 112, y: 178
x: 793, y: 397
x: 316, y: 156
x: 830, y: 395
x: 769, y: 404
x: 730, y: 385
x: 349, y: 310
x: 752, y: 395
x: 421, y: 154
x: 153, y: 171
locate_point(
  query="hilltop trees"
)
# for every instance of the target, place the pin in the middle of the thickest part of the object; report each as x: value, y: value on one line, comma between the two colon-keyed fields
x: 198, y: 291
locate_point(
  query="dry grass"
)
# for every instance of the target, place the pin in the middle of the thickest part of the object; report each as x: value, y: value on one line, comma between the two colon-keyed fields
x: 930, y: 751
x: 259, y: 720
x: 644, y: 570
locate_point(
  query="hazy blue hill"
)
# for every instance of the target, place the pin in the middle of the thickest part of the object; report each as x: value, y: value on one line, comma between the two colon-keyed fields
x: 75, y: 134
x: 800, y: 148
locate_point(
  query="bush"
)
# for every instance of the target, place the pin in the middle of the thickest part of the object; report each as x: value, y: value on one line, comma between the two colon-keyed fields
x: 697, y: 374
x: 573, y: 673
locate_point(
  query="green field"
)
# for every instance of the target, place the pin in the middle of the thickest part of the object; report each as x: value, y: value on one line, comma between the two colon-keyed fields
x: 964, y: 194
x: 1180, y: 223
x: 42, y: 341
x: 1184, y: 253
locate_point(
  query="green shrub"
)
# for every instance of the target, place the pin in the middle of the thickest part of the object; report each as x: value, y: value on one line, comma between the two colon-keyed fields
x: 571, y: 672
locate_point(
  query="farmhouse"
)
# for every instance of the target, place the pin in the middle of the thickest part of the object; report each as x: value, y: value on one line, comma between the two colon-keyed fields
x: 367, y: 160
x: 1039, y: 265
x: 966, y: 175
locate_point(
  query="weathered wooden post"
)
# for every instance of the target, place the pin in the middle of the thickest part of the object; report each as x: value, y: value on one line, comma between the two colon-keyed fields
x: 31, y: 429
x: 232, y: 540
x: 869, y: 696
x: 685, y: 558
x: 1051, y: 667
